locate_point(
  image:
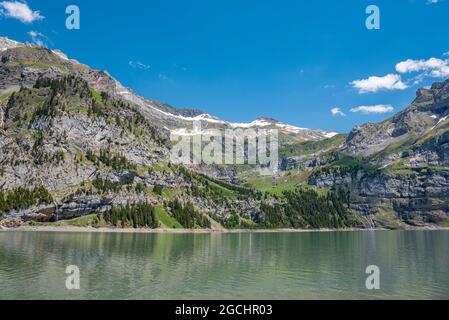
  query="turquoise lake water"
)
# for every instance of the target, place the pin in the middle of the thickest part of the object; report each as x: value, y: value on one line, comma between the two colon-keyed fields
x: 320, y: 265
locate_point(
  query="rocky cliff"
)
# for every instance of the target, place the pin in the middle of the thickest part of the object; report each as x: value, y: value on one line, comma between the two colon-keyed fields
x: 398, y: 168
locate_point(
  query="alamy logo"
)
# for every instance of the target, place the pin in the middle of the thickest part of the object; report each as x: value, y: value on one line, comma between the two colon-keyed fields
x: 73, y: 20
x: 226, y: 147
x: 372, y: 22
x: 72, y: 281
x: 373, y: 280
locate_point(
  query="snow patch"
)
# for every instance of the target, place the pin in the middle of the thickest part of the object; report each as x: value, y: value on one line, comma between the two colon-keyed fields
x: 259, y: 123
x: 292, y: 129
x: 442, y: 119
x: 439, y: 121
x: 331, y: 134
x: 256, y: 123
x: 202, y: 117
x: 6, y: 44
x: 60, y: 54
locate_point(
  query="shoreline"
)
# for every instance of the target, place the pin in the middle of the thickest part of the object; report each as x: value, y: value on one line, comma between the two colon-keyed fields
x: 70, y: 229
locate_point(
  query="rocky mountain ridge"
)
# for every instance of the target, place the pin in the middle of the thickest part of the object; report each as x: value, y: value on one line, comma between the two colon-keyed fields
x: 75, y: 142
x: 164, y: 115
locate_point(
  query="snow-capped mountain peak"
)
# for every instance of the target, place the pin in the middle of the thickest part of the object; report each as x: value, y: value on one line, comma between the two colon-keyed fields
x: 169, y: 117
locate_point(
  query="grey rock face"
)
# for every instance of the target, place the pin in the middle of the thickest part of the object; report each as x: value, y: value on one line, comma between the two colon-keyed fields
x: 405, y: 162
x: 429, y: 107
x: 81, y: 205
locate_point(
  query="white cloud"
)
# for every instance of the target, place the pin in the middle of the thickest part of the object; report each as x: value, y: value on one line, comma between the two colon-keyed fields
x: 410, y: 65
x: 442, y: 72
x: 374, y: 84
x: 433, y: 67
x: 432, y: 1
x: 19, y: 10
x: 337, y: 112
x: 377, y: 109
x: 38, y: 38
x: 139, y: 65
x: 419, y: 70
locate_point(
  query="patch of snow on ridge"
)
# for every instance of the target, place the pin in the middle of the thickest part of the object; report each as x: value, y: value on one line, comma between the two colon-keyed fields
x: 60, y: 54
x: 256, y: 123
x: 331, y: 134
x: 202, y: 117
x: 130, y: 96
x: 291, y: 128
x: 259, y: 123
x: 298, y: 130
x: 6, y: 44
x: 208, y: 132
x: 442, y: 119
x: 439, y: 121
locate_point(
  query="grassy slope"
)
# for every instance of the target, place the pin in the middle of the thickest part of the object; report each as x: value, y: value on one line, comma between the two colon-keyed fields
x: 165, y: 219
x: 290, y: 180
x: 311, y: 147
x: 273, y: 185
x: 82, y: 222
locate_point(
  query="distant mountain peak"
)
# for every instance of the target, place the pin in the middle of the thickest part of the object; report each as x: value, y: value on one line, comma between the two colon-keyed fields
x: 163, y: 114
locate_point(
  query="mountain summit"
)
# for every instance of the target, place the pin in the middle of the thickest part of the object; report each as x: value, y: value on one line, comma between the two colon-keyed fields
x: 162, y: 114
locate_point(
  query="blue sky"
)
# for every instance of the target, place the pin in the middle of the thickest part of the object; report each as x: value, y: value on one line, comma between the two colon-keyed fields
x: 239, y: 60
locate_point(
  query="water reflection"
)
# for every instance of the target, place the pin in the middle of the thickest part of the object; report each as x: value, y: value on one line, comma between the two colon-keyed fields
x: 331, y: 265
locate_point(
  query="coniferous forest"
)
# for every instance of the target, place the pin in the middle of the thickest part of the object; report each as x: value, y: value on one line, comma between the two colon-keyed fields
x: 187, y: 215
x: 23, y: 198
x: 141, y: 215
x: 309, y: 210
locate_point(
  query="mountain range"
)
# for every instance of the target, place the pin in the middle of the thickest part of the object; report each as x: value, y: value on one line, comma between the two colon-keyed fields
x: 77, y: 145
